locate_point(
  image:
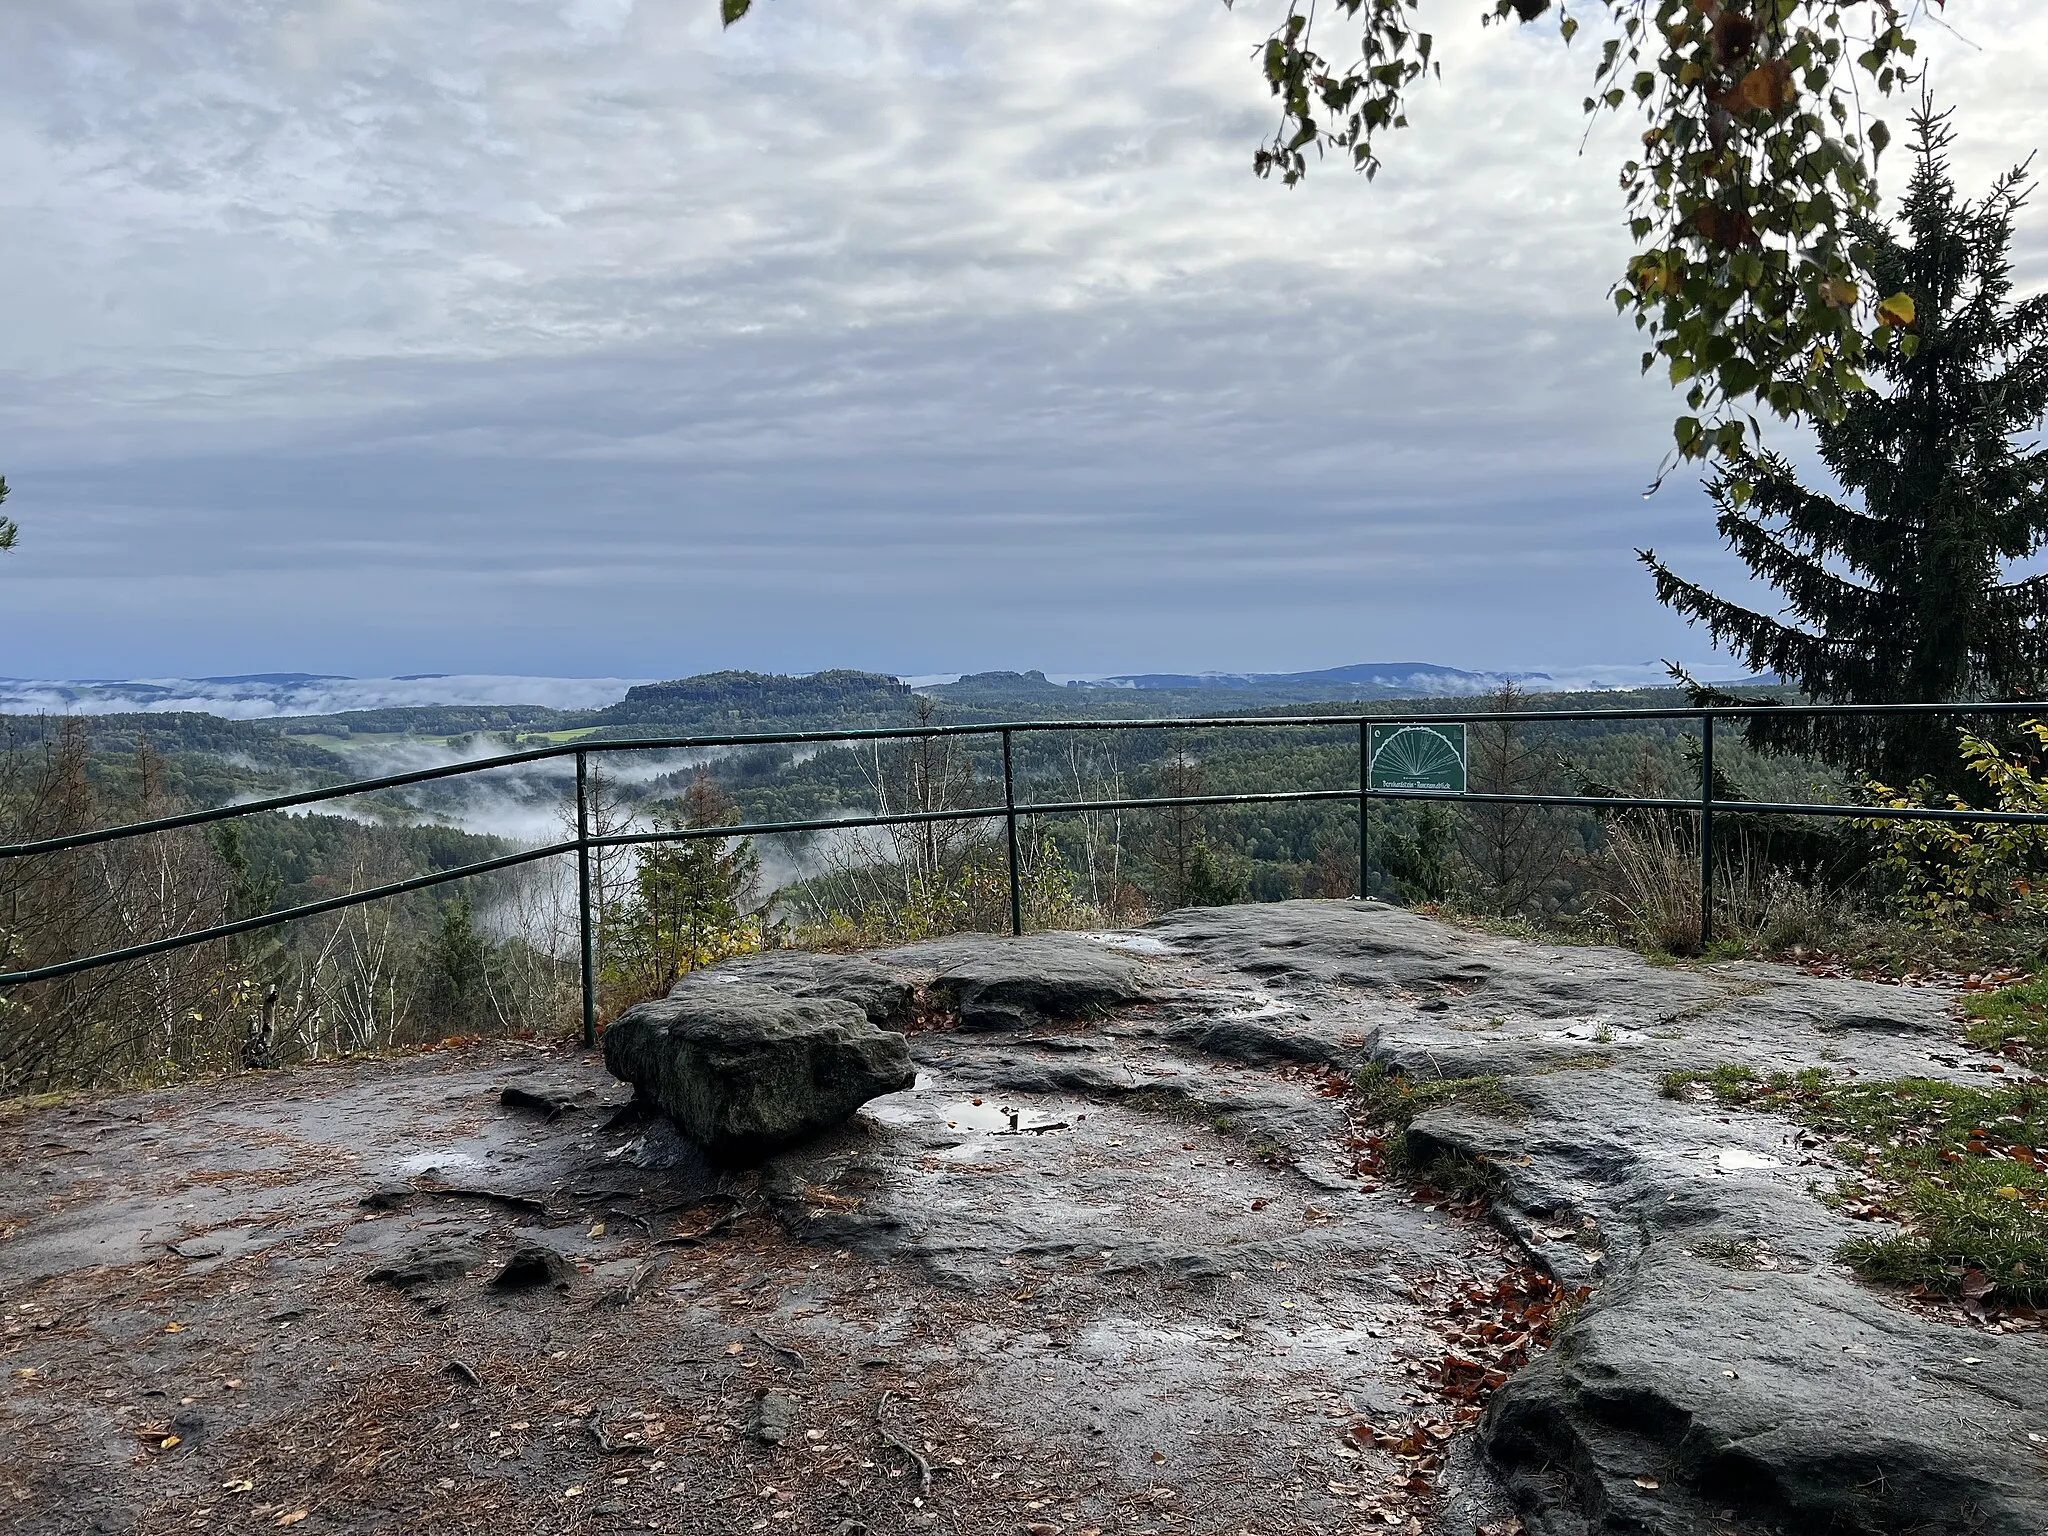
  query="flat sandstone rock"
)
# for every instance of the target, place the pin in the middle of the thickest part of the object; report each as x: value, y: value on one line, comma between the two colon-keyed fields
x: 1017, y: 984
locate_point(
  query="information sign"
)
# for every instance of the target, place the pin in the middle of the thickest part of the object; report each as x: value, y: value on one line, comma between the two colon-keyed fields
x: 1418, y: 757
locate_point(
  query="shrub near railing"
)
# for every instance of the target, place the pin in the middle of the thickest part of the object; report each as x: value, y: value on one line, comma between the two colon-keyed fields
x: 1949, y: 873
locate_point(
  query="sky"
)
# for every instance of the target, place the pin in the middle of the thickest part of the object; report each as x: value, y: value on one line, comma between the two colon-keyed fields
x: 582, y: 338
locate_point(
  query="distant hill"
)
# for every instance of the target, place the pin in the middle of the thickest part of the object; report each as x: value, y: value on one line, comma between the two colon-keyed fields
x: 337, y: 711
x: 1367, y: 680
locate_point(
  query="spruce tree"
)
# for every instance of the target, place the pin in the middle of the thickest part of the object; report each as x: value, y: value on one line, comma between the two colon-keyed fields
x: 694, y: 902
x: 1904, y: 589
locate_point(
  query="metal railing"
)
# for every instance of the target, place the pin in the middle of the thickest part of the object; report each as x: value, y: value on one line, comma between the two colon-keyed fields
x: 1703, y: 806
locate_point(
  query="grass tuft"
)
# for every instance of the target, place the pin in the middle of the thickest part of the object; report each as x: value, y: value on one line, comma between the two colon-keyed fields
x: 1738, y: 1087
x: 1729, y: 1252
x: 1463, y: 1177
x: 1394, y: 1099
x: 2012, y: 1022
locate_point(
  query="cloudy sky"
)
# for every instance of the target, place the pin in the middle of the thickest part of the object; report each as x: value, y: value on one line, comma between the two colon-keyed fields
x: 579, y: 337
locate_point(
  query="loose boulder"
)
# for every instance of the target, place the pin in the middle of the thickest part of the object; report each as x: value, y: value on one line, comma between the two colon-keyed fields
x: 426, y: 1264
x: 745, y: 1071
x: 531, y: 1266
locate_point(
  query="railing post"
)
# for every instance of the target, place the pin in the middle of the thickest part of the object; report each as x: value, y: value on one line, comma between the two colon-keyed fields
x: 1010, y: 817
x: 1706, y: 828
x: 583, y: 900
x: 1364, y: 784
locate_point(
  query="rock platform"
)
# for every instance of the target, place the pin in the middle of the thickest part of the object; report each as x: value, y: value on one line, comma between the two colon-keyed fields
x: 1112, y: 1264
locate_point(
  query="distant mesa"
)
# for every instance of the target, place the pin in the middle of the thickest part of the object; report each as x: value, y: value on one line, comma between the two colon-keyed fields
x: 817, y: 701
x: 1007, y: 682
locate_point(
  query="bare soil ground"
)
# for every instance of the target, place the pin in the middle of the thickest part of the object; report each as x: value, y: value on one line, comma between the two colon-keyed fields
x: 191, y: 1342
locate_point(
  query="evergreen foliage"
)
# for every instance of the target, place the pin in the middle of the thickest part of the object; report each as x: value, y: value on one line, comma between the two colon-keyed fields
x: 693, y: 903
x: 8, y: 531
x: 458, y: 992
x: 1903, y: 591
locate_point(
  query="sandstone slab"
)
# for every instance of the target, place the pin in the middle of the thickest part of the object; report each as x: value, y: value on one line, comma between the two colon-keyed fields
x: 1018, y: 984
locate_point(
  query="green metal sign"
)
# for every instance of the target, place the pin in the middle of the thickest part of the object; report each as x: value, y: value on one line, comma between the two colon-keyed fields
x: 1419, y: 757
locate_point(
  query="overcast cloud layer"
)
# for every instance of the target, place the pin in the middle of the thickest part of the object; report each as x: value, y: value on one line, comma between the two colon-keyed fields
x: 577, y: 337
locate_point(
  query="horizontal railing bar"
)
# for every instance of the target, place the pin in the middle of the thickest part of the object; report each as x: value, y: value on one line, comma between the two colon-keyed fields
x: 972, y: 813
x: 907, y: 733
x: 275, y: 919
x: 766, y: 828
x: 1880, y: 812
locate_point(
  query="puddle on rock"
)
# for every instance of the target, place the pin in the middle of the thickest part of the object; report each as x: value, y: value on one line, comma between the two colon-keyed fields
x: 929, y: 1111
x: 1133, y: 943
x: 1596, y: 1029
x: 435, y: 1162
x: 1737, y: 1159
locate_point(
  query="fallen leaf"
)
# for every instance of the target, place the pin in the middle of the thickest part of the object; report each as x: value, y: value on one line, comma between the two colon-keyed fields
x: 732, y: 1349
x: 174, y: 1327
x: 293, y: 1518
x: 1646, y: 1482
x: 597, y: 1229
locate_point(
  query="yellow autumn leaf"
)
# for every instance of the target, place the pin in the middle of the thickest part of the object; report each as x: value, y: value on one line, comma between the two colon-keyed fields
x: 1899, y: 309
x: 2009, y: 1192
x: 293, y: 1518
x: 1840, y: 292
x: 167, y: 1442
x: 1766, y: 88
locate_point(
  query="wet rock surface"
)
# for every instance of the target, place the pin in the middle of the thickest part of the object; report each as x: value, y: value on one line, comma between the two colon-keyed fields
x: 1770, y: 1393
x: 1118, y: 1267
x: 425, y: 1263
x: 746, y: 1070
